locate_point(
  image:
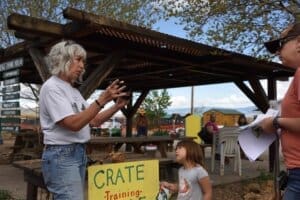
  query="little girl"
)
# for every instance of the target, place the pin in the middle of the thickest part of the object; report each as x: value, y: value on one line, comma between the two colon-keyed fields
x: 193, y: 179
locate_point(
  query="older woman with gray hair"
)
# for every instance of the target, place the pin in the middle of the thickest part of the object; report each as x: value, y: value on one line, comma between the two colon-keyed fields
x: 65, y: 117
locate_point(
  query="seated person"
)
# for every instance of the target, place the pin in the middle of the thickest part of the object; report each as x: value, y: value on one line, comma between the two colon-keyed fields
x: 207, y: 133
x: 209, y: 129
x: 242, y: 121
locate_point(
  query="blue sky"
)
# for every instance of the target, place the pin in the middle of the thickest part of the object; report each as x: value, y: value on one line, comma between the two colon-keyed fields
x: 220, y: 95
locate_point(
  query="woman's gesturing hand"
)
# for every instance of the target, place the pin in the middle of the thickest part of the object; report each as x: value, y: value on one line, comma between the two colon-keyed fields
x: 113, y: 91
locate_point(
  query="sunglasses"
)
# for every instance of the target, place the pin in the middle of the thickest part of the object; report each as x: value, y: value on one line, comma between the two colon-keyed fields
x: 284, y: 40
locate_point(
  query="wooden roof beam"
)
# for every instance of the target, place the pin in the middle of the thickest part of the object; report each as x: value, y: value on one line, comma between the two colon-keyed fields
x: 32, y: 37
x: 248, y: 92
x: 249, y: 61
x: 35, y: 26
x: 84, y: 17
x: 184, y: 59
x: 258, y: 97
x: 40, y: 63
x: 100, y: 73
x: 13, y: 51
x: 259, y: 93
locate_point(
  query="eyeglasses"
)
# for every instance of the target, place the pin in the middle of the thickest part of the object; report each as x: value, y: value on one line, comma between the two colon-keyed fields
x: 284, y: 40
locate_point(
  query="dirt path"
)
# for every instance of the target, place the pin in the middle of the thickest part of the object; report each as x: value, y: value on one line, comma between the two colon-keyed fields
x: 11, y: 178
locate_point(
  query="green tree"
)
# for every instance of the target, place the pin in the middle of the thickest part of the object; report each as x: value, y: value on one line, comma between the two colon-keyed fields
x: 132, y: 11
x: 237, y: 25
x: 155, y: 104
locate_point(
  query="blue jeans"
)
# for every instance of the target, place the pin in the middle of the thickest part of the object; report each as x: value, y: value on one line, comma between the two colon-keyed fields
x: 292, y: 191
x: 142, y: 131
x: 64, y: 168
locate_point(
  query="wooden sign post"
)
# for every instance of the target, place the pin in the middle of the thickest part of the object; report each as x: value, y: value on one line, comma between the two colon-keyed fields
x: 11, y: 113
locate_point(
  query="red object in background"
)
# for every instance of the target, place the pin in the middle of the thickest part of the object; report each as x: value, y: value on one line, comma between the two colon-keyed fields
x: 170, y: 127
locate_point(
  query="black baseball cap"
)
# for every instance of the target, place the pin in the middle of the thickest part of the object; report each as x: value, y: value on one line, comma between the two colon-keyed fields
x: 290, y: 33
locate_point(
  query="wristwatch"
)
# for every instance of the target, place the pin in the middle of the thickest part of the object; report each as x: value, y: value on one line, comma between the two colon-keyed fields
x: 275, y: 123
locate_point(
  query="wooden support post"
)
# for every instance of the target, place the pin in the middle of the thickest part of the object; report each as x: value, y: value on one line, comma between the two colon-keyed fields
x: 40, y: 64
x: 272, y: 95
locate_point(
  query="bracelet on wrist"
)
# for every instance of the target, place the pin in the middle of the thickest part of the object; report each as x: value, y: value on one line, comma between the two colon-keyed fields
x: 275, y: 123
x: 98, y: 104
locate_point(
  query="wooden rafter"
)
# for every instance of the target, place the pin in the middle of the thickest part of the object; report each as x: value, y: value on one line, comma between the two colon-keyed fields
x: 100, y: 73
x: 248, y: 92
x: 259, y: 93
x: 40, y: 63
x: 36, y: 26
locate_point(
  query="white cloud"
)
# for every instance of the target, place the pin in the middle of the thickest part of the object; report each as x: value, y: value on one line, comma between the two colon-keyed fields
x: 234, y: 99
x: 230, y: 101
x: 180, y: 101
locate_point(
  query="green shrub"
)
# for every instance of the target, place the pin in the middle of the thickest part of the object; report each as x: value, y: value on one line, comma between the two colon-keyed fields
x: 115, y: 132
x: 160, y: 133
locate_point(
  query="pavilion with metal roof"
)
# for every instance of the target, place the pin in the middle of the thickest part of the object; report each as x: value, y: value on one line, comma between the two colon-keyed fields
x: 143, y: 58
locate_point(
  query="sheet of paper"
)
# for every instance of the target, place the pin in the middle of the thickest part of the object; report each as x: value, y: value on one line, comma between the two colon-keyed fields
x: 252, y: 141
x: 259, y: 118
x: 254, y: 146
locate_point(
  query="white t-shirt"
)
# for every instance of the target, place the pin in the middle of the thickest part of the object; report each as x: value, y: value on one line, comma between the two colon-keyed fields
x: 58, y: 99
x: 188, y: 186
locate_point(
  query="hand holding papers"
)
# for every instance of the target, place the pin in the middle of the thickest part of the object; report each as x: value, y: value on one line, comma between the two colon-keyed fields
x: 252, y: 139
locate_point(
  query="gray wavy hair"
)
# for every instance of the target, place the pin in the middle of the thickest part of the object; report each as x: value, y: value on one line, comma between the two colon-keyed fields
x: 61, y: 55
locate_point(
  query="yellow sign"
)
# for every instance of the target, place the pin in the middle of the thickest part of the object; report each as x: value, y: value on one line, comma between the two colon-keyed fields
x: 124, y: 181
x: 193, y: 126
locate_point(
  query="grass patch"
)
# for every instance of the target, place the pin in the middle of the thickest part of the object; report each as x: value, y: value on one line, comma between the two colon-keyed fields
x: 265, y: 176
x: 5, y: 195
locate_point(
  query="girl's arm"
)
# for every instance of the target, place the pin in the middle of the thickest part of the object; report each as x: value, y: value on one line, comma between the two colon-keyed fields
x: 206, y: 187
x: 173, y: 187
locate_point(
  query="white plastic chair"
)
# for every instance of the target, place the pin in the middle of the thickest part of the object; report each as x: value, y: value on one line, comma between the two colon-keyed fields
x: 229, y: 147
x: 215, y: 147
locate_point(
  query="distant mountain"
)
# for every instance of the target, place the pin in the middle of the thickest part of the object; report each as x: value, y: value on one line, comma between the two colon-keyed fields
x: 248, y: 111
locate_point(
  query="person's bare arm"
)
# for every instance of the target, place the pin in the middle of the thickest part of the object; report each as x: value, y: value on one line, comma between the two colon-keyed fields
x: 290, y: 124
x: 79, y: 120
x: 206, y: 188
x: 106, y: 114
x: 173, y: 187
